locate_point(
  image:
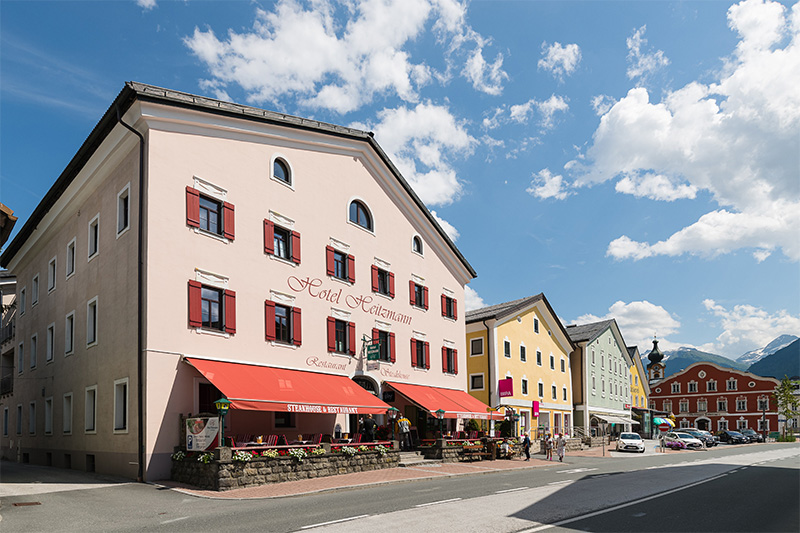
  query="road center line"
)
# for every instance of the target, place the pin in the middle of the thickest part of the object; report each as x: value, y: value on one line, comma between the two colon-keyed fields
x: 335, y: 521
x: 174, y: 520
x: 510, y: 490
x: 437, y: 503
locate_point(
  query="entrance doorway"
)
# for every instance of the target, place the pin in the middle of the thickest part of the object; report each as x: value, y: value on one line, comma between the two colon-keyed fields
x: 368, y: 385
x: 703, y: 423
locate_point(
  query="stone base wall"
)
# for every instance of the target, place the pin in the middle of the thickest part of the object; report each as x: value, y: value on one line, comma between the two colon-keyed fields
x: 228, y: 475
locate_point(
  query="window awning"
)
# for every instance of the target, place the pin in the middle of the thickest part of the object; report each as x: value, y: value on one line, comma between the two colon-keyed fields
x: 265, y: 388
x: 615, y: 419
x: 454, y: 403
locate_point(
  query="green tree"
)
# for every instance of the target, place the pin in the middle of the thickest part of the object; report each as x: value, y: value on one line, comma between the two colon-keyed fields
x: 785, y: 399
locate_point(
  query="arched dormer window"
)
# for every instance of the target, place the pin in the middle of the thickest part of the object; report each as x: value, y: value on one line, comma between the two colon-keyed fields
x: 280, y: 171
x: 416, y: 245
x: 359, y: 214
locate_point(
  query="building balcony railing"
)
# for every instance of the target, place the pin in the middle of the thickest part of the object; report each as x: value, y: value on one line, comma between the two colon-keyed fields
x: 7, y: 332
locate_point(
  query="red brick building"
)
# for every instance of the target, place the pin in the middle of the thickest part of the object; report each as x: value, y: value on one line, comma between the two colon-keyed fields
x: 714, y: 398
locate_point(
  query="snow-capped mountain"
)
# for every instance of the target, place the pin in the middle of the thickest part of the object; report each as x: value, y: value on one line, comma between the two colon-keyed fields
x: 756, y: 355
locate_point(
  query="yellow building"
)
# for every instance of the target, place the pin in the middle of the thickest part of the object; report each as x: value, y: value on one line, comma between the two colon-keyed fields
x: 522, y: 341
x: 639, y: 387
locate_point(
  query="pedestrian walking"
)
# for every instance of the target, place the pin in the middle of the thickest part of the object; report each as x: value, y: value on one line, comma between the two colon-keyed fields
x: 369, y: 429
x: 404, y: 428
x: 548, y: 446
x: 526, y: 446
x: 561, y: 447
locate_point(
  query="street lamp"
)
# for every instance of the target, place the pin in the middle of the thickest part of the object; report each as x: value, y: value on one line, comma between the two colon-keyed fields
x: 440, y: 416
x: 764, y: 404
x: 392, y: 413
x: 222, y: 405
x: 516, y: 421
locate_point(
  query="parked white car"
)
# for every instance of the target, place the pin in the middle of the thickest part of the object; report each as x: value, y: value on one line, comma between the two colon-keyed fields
x: 688, y: 440
x: 630, y: 442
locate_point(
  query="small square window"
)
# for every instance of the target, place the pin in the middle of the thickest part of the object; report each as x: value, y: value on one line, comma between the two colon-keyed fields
x: 476, y: 382
x: 476, y: 347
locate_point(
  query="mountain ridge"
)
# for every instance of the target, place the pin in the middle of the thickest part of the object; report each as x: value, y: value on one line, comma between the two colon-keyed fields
x: 778, y: 343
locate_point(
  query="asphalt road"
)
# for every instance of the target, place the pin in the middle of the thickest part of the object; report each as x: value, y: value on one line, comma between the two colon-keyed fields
x: 507, y: 501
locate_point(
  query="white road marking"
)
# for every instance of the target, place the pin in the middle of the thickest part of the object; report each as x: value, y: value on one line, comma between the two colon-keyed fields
x: 575, y: 470
x: 638, y: 515
x: 174, y: 520
x: 560, y: 482
x: 437, y: 503
x: 335, y: 521
x: 510, y: 490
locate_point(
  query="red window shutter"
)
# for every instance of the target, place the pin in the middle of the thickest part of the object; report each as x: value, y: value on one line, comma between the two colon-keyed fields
x: 329, y: 261
x: 391, y: 348
x: 375, y: 335
x: 297, y: 327
x: 228, y: 220
x: 269, y: 320
x: 351, y: 269
x: 444, y: 359
x: 351, y: 338
x: 444, y: 305
x: 427, y: 355
x: 455, y: 361
x: 413, y: 352
x: 411, y: 292
x: 230, y: 311
x: 331, y: 334
x: 425, y: 297
x: 391, y: 284
x: 269, y: 237
x: 195, y: 305
x: 295, y: 247
x: 455, y: 308
x: 374, y: 278
x: 192, y: 207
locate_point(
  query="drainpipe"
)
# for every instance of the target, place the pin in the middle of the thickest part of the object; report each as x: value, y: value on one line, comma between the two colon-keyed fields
x: 139, y: 305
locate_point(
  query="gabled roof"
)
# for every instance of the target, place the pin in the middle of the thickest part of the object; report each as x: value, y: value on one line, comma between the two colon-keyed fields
x: 588, y: 332
x: 133, y: 91
x: 499, y: 311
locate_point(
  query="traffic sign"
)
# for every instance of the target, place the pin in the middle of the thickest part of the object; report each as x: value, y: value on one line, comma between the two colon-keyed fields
x: 663, y: 427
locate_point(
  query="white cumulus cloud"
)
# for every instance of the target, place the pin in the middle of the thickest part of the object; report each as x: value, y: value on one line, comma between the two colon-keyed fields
x: 521, y: 113
x: 642, y: 63
x: 560, y: 60
x: 147, y: 5
x: 746, y: 327
x: 546, y: 185
x: 472, y: 299
x: 422, y: 141
x: 448, y: 228
x: 639, y: 322
x: 735, y: 138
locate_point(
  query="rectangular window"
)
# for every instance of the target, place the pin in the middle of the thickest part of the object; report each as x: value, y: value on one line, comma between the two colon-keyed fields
x: 34, y: 350
x: 382, y: 281
x: 212, y: 308
x: 51, y: 340
x: 667, y: 406
x: 711, y: 386
x: 208, y: 214
x: 69, y: 333
x: 741, y: 405
x: 384, y: 348
x: 123, y: 209
x: 523, y: 356
x: 67, y: 415
x: 20, y: 357
x: 35, y: 290
x: 592, y: 356
x: 538, y: 358
x: 552, y: 362
x: 722, y: 405
x: 763, y: 425
x: 594, y: 385
x: 525, y: 387
x: 418, y: 295
x: 22, y: 294
x: 723, y: 425
x: 283, y: 323
x: 702, y: 406
x: 536, y: 325
x: 692, y: 386
x: 554, y: 392
x: 449, y: 307
x: 563, y: 366
x: 475, y: 382
x: 476, y: 346
x: 281, y: 242
x: 684, y: 406
x: 90, y: 410
x: 32, y: 418
x: 283, y: 329
x: 19, y: 419
x: 91, y: 322
x: 564, y: 391
x: 763, y: 404
x: 731, y: 384
x: 341, y: 336
x: 541, y: 390
x: 94, y: 236
x: 71, y: 258
x: 507, y: 349
x: 121, y: 405
x: 449, y: 360
x: 676, y: 387
x: 340, y: 265
x: 51, y: 275
x: 5, y: 421
x: 420, y: 354
x: 48, y: 416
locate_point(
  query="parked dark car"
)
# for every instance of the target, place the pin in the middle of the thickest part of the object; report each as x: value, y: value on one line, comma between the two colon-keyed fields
x: 732, y: 437
x: 706, y: 438
x: 752, y: 436
x: 713, y: 438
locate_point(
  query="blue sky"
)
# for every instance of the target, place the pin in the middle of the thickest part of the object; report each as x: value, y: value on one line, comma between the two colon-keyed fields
x: 635, y: 160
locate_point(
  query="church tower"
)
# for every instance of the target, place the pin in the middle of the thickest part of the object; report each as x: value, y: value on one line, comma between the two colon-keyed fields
x: 655, y: 369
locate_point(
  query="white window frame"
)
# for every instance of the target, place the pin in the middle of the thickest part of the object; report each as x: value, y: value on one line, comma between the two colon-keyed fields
x: 471, y: 353
x: 691, y: 386
x: 290, y: 168
x: 483, y: 381
x: 730, y: 382
x: 118, y: 410
x: 523, y: 353
x: 69, y: 333
x: 125, y: 194
x: 22, y: 297
x: 507, y: 353
x: 52, y: 274
x: 87, y: 428
x: 33, y: 351
x: 536, y: 325
x: 565, y: 396
x: 554, y: 392
x: 72, y: 254
x: 35, y: 290
x: 676, y: 388
x: 50, y: 349
x: 89, y: 253
x: 48, y: 415
x: 704, y: 404
x: 538, y: 357
x: 92, y: 303
x: 741, y: 406
x: 524, y: 387
x: 66, y: 408
x: 540, y: 389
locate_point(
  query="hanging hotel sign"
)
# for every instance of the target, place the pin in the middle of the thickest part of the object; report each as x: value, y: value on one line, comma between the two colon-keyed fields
x: 505, y: 387
x: 201, y: 433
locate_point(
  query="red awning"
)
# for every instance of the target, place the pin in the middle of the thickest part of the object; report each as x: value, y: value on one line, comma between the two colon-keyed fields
x: 265, y: 388
x: 454, y: 403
